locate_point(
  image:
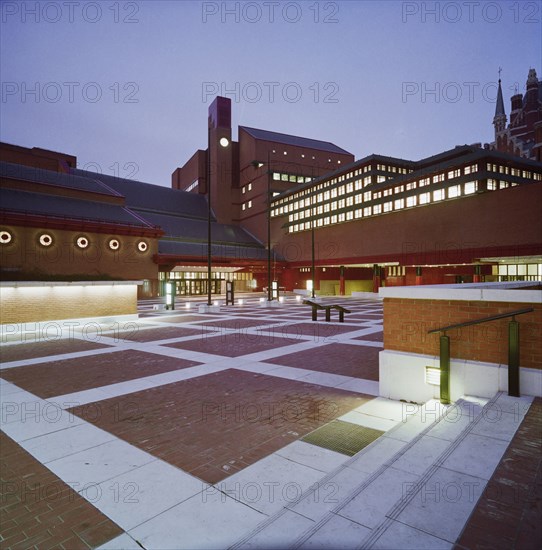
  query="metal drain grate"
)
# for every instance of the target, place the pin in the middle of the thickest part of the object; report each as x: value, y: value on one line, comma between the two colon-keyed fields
x: 342, y: 437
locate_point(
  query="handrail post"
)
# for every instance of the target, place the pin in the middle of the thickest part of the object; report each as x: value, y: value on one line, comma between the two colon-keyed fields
x: 513, y: 358
x: 444, y: 369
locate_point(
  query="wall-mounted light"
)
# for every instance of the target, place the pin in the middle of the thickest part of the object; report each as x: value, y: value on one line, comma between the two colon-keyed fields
x: 46, y: 239
x: 114, y: 244
x: 224, y: 141
x: 82, y: 242
x: 432, y: 376
x: 142, y: 246
x: 5, y: 237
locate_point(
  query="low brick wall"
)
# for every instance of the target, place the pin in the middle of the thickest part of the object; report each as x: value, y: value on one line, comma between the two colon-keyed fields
x: 29, y: 302
x: 478, y: 353
x: 407, y: 321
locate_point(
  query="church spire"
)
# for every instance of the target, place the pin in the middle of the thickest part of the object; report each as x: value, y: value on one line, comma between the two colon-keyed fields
x: 499, y: 120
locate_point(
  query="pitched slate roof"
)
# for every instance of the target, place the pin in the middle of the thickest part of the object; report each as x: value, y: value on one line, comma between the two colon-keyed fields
x: 153, y: 198
x: 288, y: 139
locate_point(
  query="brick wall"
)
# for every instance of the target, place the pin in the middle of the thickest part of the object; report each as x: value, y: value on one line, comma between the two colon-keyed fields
x: 26, y: 304
x: 25, y: 255
x: 406, y: 322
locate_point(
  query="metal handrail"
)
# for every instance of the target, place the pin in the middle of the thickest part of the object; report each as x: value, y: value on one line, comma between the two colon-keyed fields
x: 484, y: 320
x: 513, y: 351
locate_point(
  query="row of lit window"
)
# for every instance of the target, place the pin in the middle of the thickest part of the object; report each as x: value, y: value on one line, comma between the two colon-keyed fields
x: 421, y: 199
x: 512, y: 171
x: 518, y: 269
x: 359, y: 184
x: 246, y: 188
x: 292, y: 178
x: 196, y: 275
x: 393, y: 169
x: 246, y: 205
x: 81, y: 241
x: 357, y: 199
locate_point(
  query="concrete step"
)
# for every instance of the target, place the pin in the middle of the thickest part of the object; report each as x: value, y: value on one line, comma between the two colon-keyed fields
x: 414, y: 487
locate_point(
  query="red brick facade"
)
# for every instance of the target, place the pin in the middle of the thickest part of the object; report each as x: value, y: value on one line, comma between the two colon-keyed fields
x: 407, y: 323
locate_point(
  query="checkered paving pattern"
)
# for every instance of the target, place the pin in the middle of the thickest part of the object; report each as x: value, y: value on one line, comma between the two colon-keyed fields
x: 55, y: 378
x: 203, y: 395
x: 242, y: 418
x: 39, y: 510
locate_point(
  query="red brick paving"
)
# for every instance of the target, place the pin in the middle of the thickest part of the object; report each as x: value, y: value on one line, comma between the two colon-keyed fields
x: 318, y: 331
x: 344, y: 359
x: 231, y: 418
x: 234, y: 344
x: 373, y: 337
x: 39, y: 510
x: 508, y: 515
x: 153, y: 334
x: 179, y: 319
x: 237, y: 324
x: 19, y: 352
x: 82, y: 373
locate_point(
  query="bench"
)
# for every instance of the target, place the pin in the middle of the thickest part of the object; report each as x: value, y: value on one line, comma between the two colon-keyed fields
x: 327, y: 308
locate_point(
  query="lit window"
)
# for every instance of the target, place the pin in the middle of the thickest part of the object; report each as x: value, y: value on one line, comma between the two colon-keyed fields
x: 491, y: 185
x: 411, y: 201
x: 250, y: 186
x: 424, y: 198
x: 399, y: 203
x: 243, y: 206
x: 367, y: 211
x: 388, y: 206
x: 438, y: 195
x: 276, y: 176
x: 377, y: 209
x: 454, y: 191
x: 249, y: 205
x: 243, y: 190
x: 470, y: 187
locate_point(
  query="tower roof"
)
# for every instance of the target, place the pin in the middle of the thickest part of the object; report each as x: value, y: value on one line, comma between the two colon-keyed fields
x: 499, y: 107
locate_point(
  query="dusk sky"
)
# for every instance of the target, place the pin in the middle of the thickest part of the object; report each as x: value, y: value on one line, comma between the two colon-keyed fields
x: 125, y: 86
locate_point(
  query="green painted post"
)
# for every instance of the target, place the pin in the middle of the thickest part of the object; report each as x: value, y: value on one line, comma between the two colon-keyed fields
x: 444, y: 369
x: 513, y: 358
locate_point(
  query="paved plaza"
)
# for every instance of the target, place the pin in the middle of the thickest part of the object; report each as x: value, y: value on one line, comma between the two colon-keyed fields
x: 249, y: 428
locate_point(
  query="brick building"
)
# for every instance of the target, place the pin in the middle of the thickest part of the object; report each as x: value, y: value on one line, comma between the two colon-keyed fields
x: 296, y: 210
x: 523, y: 135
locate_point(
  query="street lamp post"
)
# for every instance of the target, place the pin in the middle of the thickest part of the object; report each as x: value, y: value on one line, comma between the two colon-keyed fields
x: 269, y: 290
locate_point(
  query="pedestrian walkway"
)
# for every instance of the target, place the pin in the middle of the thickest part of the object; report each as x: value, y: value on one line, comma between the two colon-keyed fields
x: 205, y: 431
